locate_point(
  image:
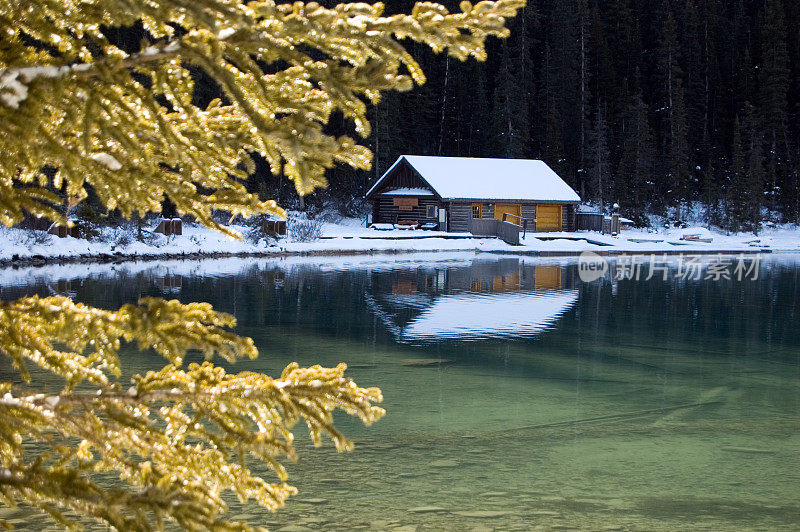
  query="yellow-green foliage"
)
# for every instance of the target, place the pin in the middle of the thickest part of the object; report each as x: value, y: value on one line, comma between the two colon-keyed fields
x: 124, y: 123
x: 86, y: 110
x: 178, y: 437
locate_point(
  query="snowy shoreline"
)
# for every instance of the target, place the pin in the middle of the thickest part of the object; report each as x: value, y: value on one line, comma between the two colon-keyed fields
x: 349, y: 238
x: 118, y: 257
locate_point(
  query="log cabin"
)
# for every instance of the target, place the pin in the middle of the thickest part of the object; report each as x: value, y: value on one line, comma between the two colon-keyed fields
x: 450, y: 192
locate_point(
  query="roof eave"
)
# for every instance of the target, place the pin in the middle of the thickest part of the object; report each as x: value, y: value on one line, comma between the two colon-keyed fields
x: 513, y: 200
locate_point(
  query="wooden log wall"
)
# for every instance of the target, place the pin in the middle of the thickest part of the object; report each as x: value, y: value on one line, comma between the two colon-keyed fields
x: 528, y: 212
x: 589, y: 222
x: 386, y: 212
x: 568, y: 222
x: 460, y: 217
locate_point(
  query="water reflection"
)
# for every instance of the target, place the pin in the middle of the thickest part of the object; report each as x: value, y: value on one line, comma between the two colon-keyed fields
x: 489, y: 300
x: 169, y: 284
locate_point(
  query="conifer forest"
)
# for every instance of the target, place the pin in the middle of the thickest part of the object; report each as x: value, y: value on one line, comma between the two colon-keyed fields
x: 649, y: 103
x: 653, y: 104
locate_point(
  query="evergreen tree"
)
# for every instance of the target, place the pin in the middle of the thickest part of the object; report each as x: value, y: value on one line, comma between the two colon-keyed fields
x: 604, y: 83
x: 736, y: 197
x: 599, y: 158
x: 635, y: 172
x: 564, y: 78
x: 754, y: 177
x: 479, y: 120
x: 124, y: 120
x: 552, y: 150
x: 692, y: 42
x: 773, y: 81
x: 746, y: 189
x: 511, y: 111
x: 584, y: 32
x: 679, y: 171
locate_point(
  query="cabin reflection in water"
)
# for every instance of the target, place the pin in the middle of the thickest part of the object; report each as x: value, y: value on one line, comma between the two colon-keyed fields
x: 490, y: 299
x: 169, y: 284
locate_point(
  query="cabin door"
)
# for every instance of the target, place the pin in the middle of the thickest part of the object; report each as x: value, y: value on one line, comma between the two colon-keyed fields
x: 514, y: 210
x: 548, y: 218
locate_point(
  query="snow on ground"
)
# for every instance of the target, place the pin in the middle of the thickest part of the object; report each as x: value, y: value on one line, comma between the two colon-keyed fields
x: 779, y: 239
x: 350, y: 236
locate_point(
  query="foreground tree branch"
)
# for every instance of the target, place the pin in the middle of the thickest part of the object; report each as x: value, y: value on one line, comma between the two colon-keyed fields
x: 99, y: 115
x: 123, y: 122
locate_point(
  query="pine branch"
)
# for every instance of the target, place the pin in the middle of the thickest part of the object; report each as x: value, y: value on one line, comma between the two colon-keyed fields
x: 125, y: 124
x: 104, y: 125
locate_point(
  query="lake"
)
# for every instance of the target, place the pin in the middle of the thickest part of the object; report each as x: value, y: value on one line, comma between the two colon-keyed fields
x: 518, y: 396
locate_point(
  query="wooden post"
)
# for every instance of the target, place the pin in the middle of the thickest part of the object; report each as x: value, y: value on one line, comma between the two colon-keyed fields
x: 615, y: 224
x: 62, y: 231
x: 615, y: 220
x: 170, y: 227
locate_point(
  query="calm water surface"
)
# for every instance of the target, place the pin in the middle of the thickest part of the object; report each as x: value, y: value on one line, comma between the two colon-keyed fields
x: 518, y: 397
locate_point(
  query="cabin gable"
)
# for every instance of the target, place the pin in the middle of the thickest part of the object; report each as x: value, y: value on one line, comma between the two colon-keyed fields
x: 402, y: 175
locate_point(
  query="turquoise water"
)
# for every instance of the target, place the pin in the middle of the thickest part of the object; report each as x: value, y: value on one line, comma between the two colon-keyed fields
x: 518, y: 397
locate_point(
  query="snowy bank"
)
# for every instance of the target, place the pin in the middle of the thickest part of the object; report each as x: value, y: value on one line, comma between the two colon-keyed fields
x: 350, y: 237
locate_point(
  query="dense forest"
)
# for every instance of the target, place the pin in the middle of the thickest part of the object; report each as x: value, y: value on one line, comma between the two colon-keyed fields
x: 649, y: 103
x: 652, y: 104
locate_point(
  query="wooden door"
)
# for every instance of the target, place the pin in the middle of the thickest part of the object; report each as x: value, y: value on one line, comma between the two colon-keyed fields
x: 514, y: 210
x: 548, y: 218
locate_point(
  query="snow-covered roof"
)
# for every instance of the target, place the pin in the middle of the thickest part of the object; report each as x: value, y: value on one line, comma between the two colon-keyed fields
x: 488, y: 179
x: 408, y: 192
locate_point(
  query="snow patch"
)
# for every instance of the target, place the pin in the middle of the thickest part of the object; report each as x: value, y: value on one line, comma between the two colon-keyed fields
x: 12, y: 92
x: 106, y: 159
x: 14, y: 81
x: 409, y: 192
x: 358, y: 21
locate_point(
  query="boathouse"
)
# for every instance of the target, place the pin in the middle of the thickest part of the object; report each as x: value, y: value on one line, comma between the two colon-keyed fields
x: 450, y: 192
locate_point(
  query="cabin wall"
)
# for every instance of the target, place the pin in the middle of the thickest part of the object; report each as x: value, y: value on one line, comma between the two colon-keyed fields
x: 568, y: 219
x: 528, y: 212
x: 386, y: 212
x: 460, y: 217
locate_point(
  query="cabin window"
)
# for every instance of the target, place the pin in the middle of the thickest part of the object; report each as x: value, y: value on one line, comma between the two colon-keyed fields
x: 477, y: 210
x: 431, y: 211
